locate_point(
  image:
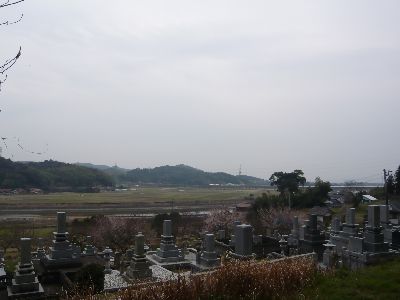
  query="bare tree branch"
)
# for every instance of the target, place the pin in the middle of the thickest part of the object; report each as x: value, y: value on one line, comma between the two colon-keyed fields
x: 10, y: 23
x: 10, y: 62
x: 8, y: 3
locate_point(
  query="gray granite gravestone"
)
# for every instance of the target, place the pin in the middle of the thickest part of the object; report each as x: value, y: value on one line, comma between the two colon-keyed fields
x: 168, y: 251
x: 139, y: 266
x: 374, y: 238
x: 209, y: 257
x: 25, y: 284
x: 243, y: 241
x: 62, y: 253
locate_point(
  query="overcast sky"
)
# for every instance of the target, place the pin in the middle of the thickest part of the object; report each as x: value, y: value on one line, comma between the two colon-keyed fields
x: 269, y: 85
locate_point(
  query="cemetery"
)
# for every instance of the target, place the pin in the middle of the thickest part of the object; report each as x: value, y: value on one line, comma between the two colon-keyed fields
x: 50, y: 271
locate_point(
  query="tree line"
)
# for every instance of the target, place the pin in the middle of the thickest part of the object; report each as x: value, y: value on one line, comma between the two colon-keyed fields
x: 50, y: 176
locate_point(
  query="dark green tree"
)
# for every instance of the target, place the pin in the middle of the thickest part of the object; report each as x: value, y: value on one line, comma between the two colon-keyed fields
x: 288, y: 181
x: 158, y: 220
x: 390, y: 185
x: 322, y: 188
x: 397, y: 181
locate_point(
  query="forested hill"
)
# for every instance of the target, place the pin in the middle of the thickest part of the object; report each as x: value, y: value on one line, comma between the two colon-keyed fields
x: 185, y: 175
x: 50, y: 175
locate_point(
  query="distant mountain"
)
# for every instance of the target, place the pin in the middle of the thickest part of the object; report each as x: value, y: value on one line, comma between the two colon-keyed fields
x: 115, y: 171
x: 50, y: 175
x: 186, y: 175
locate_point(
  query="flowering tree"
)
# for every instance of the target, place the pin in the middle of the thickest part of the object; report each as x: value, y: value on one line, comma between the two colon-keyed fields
x: 222, y: 219
x: 116, y: 232
x: 279, y: 218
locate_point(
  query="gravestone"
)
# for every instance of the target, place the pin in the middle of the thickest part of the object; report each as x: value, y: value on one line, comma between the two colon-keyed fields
x: 356, y: 244
x: 336, y: 226
x: 89, y: 249
x: 328, y: 258
x: 340, y: 233
x: 243, y: 241
x: 62, y: 253
x: 209, y: 257
x: 311, y: 238
x: 25, y: 284
x: 294, y: 236
x: 41, y: 253
x: 374, y: 238
x: 350, y: 227
x: 235, y: 225
x: 168, y: 251
x: 385, y: 223
x: 373, y: 216
x: 107, y: 258
x: 384, y: 215
x: 139, y: 266
x: 257, y: 239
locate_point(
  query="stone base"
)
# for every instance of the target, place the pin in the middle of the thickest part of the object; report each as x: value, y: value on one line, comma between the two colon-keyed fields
x: 209, y: 259
x: 210, y: 263
x: 376, y: 247
x: 139, y: 268
x: 160, y: 259
x: 242, y: 257
x: 139, y: 272
x: 356, y: 260
x: 36, y: 294
x: 61, y: 263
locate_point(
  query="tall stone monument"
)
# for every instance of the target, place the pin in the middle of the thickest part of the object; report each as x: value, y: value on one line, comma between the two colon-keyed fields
x: 139, y: 266
x: 168, y: 251
x: 62, y: 253
x: 107, y: 258
x: 374, y: 239
x: 243, y: 241
x: 341, y: 233
x: 25, y: 284
x: 293, y: 238
x: 350, y: 228
x: 209, y: 256
x: 311, y: 238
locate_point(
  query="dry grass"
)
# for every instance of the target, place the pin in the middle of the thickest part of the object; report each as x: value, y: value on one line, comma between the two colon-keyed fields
x: 235, y: 280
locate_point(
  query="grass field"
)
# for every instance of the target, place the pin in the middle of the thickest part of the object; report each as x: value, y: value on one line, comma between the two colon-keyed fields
x: 142, y: 194
x: 377, y: 282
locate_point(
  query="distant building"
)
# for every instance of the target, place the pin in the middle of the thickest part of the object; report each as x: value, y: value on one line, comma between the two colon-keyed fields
x: 368, y: 199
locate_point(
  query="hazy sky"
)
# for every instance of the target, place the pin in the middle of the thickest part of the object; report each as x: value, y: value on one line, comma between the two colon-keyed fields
x: 271, y: 85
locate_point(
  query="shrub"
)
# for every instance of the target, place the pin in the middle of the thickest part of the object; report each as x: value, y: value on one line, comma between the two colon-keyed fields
x: 91, y: 275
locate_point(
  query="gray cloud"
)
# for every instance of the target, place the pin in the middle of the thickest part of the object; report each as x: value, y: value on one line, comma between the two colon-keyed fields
x: 213, y: 84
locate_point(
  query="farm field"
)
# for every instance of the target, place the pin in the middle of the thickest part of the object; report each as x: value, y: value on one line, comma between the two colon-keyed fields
x: 148, y: 195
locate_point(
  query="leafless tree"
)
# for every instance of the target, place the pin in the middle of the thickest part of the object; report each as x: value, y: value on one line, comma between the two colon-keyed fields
x: 11, y: 61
